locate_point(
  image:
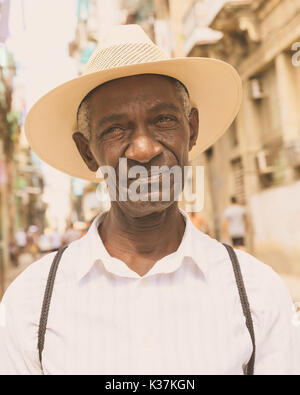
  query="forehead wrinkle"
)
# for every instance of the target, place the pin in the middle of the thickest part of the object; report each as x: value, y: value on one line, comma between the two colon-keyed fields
x: 125, y: 89
x: 140, y: 107
x: 161, y: 106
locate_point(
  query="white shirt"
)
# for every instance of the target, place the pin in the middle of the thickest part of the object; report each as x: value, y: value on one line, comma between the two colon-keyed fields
x: 183, y: 317
x: 235, y: 215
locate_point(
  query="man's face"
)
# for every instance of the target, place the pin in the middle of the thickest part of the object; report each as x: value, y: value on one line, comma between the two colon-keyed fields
x: 140, y: 118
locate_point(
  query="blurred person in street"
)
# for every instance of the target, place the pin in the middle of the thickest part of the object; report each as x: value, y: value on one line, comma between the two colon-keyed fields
x: 21, y: 239
x: 13, y: 253
x: 144, y: 291
x: 44, y: 242
x: 55, y: 239
x: 73, y: 232
x: 235, y: 224
x: 33, y: 240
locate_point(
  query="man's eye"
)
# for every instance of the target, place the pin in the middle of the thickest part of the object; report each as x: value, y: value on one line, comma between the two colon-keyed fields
x: 165, y: 120
x: 114, y: 131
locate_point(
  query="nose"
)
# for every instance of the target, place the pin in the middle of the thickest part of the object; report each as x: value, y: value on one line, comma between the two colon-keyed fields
x: 143, y: 148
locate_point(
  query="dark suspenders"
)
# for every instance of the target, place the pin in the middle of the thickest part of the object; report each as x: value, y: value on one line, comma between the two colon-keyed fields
x: 47, y: 300
x: 245, y: 304
x: 239, y: 282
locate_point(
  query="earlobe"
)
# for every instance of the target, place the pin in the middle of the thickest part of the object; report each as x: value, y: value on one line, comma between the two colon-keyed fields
x: 82, y: 145
x: 194, y: 127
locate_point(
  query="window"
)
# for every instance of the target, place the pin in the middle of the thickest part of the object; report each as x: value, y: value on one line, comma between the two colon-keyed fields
x: 238, y: 180
x: 268, y: 107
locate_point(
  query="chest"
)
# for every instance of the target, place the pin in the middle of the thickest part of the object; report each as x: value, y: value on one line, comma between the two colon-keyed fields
x: 145, y: 328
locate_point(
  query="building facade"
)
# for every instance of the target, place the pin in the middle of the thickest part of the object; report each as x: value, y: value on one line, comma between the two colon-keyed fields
x: 258, y: 158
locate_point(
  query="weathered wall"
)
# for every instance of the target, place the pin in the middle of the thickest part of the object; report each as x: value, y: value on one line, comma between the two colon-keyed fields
x: 276, y: 225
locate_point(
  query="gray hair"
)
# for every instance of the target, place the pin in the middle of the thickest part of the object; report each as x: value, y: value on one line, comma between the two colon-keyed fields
x: 83, y: 117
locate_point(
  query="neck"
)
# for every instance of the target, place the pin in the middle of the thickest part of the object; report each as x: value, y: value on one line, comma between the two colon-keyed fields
x: 140, y: 242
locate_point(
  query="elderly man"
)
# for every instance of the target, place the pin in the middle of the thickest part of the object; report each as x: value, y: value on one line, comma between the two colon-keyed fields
x: 144, y: 291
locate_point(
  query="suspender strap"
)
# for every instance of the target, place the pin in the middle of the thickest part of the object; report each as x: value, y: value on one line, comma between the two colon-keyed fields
x: 245, y: 304
x: 47, y: 300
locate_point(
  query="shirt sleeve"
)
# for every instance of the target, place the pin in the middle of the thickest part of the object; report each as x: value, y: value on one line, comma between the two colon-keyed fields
x: 17, y: 357
x: 278, y: 341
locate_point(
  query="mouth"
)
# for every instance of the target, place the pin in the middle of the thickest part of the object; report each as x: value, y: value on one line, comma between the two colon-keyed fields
x: 158, y: 186
x: 153, y: 178
x: 145, y: 183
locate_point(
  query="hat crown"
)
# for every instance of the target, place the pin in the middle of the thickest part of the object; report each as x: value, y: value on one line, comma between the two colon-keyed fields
x: 123, y: 46
x: 124, y: 34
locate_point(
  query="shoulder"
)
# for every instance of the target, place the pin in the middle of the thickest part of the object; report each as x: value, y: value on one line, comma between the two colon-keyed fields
x: 263, y: 285
x: 253, y: 269
x: 269, y: 298
x: 260, y: 280
x: 29, y: 282
x: 258, y: 273
x: 21, y: 305
x: 28, y: 288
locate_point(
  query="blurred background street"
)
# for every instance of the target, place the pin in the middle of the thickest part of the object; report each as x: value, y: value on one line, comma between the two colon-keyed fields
x: 44, y: 43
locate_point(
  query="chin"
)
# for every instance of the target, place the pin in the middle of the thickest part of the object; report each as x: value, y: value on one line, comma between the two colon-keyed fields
x: 145, y: 208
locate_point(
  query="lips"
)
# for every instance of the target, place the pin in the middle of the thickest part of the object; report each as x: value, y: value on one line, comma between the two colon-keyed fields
x: 153, y: 177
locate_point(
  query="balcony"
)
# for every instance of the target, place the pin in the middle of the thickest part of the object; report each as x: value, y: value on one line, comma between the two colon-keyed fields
x: 196, y: 24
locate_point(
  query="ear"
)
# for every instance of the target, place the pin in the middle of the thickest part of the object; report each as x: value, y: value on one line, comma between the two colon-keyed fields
x: 82, y: 145
x: 194, y: 127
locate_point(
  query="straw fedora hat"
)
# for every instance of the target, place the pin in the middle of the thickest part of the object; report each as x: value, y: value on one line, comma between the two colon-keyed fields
x: 214, y: 86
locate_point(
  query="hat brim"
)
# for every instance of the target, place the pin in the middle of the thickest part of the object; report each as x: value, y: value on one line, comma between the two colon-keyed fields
x: 215, y: 89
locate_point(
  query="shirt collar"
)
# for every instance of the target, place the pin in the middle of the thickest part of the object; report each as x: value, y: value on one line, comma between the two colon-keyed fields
x: 93, y: 250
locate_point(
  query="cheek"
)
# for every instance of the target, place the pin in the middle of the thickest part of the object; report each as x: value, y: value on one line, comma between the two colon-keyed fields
x: 180, y: 144
x: 107, y: 154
